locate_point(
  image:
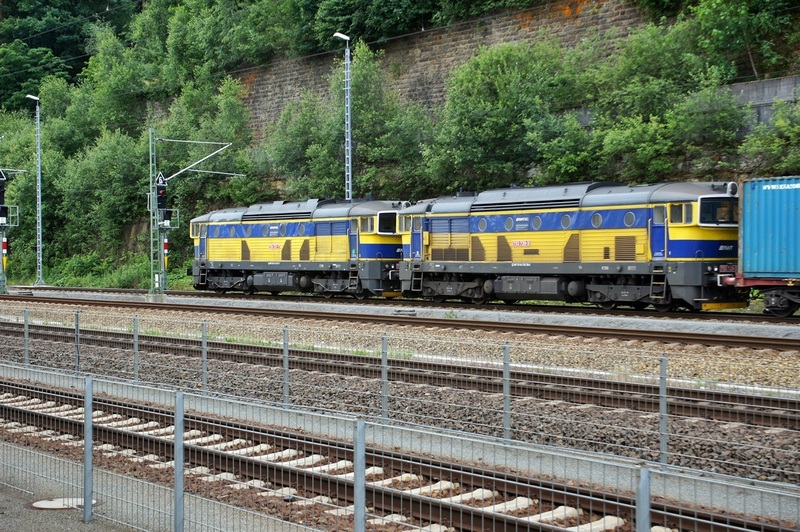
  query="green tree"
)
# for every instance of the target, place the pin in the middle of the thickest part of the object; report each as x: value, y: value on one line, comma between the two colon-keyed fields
x: 307, y: 145
x: 370, y: 20
x: 22, y: 69
x: 102, y: 193
x: 774, y: 148
x: 493, y: 102
x: 746, y: 29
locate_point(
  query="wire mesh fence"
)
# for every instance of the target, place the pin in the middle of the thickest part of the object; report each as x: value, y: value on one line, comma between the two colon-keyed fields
x: 669, y: 408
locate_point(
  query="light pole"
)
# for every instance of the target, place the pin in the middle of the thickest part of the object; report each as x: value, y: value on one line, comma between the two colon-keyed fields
x: 348, y: 160
x: 39, y: 279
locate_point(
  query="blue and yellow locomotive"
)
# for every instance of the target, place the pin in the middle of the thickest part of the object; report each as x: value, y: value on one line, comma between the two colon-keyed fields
x: 668, y: 245
x: 323, y: 246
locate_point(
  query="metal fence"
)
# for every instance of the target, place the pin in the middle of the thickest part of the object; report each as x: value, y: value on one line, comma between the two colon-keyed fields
x: 153, y: 492
x: 659, y: 453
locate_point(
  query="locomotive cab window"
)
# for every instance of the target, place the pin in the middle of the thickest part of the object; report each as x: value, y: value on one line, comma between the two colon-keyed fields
x: 680, y: 213
x: 719, y: 211
x: 194, y: 230
x: 367, y: 224
x: 659, y: 215
x: 387, y: 223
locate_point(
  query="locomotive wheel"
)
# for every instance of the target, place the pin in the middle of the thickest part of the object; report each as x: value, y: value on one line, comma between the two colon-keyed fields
x: 783, y: 312
x: 607, y: 305
x: 663, y: 307
x: 438, y: 299
x: 221, y: 290
x: 361, y: 294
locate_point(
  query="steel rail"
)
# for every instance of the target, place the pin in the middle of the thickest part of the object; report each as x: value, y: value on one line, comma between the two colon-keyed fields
x: 387, y: 499
x: 760, y: 410
x: 677, y: 336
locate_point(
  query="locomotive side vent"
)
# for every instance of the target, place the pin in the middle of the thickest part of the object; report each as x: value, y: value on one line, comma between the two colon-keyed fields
x: 625, y: 248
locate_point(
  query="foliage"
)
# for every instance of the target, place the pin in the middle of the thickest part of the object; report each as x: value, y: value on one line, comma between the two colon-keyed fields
x: 387, y: 136
x: 743, y: 30
x: 660, y: 8
x: 92, y: 270
x: 494, y: 101
x: 775, y: 148
x: 22, y: 70
x: 370, y: 19
x: 463, y: 9
x: 38, y: 39
x: 102, y: 191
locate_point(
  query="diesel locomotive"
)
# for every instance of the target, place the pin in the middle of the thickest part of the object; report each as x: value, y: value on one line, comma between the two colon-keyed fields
x: 671, y: 245
x: 668, y: 245
x: 323, y: 246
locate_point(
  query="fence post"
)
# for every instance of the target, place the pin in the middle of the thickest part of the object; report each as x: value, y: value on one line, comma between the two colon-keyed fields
x: 178, y: 463
x: 77, y: 341
x: 136, y: 349
x: 88, y: 448
x: 286, y: 366
x: 204, y: 342
x: 507, y: 392
x: 360, y: 477
x: 26, y: 321
x: 384, y: 376
x: 662, y: 412
x: 643, y: 501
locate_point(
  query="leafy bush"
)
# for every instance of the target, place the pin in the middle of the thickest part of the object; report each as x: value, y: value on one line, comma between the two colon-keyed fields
x: 774, y: 148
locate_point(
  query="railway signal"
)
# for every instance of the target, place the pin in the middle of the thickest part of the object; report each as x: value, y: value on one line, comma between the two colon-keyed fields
x: 9, y: 217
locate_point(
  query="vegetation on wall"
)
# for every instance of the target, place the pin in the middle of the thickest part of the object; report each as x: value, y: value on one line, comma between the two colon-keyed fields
x: 643, y: 108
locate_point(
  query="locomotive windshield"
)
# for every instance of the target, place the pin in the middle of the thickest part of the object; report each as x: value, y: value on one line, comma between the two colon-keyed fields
x: 387, y: 223
x: 720, y: 210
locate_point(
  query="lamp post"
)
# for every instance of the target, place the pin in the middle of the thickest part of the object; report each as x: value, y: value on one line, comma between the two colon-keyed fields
x: 39, y: 279
x: 348, y: 161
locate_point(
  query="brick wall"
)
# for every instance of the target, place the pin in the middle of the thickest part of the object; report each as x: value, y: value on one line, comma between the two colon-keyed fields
x: 419, y: 64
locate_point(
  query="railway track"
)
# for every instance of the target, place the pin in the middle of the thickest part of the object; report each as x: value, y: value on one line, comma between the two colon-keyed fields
x: 765, y: 410
x: 308, y: 479
x: 406, y: 319
x: 526, y: 308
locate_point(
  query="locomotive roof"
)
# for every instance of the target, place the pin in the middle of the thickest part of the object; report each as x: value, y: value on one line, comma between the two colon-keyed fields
x: 554, y: 197
x: 223, y: 215
x: 312, y: 208
x: 572, y: 195
x: 642, y: 194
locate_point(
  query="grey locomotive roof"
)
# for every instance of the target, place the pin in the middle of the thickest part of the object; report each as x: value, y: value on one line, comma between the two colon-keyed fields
x: 532, y: 198
x: 224, y: 215
x: 641, y: 194
x: 444, y: 204
x: 576, y: 195
x: 313, y: 208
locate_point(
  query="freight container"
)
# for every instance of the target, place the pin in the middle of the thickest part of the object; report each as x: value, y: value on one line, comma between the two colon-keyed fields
x: 769, y: 228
